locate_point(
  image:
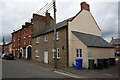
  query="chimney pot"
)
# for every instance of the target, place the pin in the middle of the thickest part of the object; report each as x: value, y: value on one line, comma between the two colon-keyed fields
x: 85, y: 6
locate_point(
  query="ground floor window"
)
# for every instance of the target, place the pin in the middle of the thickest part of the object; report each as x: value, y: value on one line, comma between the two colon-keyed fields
x: 37, y: 53
x: 78, y: 52
x: 58, y: 53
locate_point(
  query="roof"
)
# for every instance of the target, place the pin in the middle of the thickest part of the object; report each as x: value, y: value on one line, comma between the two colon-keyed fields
x: 115, y: 41
x: 50, y: 29
x: 27, y: 24
x: 61, y: 25
x: 92, y: 40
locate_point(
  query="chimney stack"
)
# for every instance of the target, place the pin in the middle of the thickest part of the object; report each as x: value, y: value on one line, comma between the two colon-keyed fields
x: 85, y: 6
x: 47, y: 14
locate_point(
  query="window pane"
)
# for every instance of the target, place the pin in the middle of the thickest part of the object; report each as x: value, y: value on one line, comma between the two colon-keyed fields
x: 57, y: 35
x: 77, y: 55
x: 80, y: 55
x: 77, y: 51
x: 58, y: 54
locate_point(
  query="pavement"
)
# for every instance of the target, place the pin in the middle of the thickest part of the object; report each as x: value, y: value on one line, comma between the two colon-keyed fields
x: 111, y: 72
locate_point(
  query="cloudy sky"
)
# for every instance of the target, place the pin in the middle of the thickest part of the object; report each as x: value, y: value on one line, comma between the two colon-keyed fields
x: 15, y: 13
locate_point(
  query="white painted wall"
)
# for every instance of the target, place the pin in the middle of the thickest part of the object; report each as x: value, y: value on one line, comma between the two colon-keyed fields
x: 84, y: 23
x: 100, y: 53
x: 75, y: 43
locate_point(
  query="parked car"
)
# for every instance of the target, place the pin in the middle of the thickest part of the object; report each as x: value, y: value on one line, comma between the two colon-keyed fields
x: 4, y: 55
x: 8, y: 56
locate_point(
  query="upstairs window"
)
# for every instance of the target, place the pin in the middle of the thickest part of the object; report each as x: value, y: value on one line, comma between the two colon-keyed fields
x: 57, y: 36
x: 46, y: 38
x: 37, y: 40
x: 78, y: 52
x: 29, y: 40
x: 24, y: 42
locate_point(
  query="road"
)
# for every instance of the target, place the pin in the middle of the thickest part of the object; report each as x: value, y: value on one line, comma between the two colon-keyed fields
x: 13, y: 69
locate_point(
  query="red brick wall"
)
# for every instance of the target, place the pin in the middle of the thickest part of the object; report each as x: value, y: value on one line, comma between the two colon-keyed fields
x: 27, y: 37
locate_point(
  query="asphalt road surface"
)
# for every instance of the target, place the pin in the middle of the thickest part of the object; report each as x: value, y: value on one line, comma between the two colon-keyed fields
x: 13, y: 69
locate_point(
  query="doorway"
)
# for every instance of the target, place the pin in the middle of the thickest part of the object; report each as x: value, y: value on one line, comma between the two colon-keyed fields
x: 46, y: 57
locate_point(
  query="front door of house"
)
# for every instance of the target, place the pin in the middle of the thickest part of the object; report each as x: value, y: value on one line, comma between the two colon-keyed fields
x: 29, y: 52
x: 46, y: 57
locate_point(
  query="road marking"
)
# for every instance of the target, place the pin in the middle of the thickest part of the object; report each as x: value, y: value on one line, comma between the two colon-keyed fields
x: 107, y: 74
x: 71, y: 75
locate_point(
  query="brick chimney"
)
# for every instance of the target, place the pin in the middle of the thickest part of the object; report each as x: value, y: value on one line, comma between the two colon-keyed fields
x: 27, y: 24
x: 47, y: 14
x: 85, y: 6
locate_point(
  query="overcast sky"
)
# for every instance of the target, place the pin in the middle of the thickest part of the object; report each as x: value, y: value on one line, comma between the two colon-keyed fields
x: 14, y: 13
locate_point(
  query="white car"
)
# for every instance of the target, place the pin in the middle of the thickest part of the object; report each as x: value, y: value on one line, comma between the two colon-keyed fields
x: 3, y: 55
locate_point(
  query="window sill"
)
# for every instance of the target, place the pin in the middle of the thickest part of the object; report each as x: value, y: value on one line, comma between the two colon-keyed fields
x: 57, y: 39
x: 45, y: 41
x: 37, y: 43
x: 57, y: 58
x: 37, y: 56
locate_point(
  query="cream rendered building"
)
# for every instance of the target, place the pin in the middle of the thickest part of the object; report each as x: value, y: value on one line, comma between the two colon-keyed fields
x: 84, y: 34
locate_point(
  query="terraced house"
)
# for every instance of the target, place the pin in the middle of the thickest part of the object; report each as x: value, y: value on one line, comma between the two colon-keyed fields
x: 8, y: 48
x: 78, y: 37
x: 21, y: 41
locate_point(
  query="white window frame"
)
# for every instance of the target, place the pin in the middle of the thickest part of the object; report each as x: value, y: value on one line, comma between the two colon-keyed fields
x: 24, y: 42
x: 37, y: 40
x: 46, y: 38
x: 79, y: 53
x: 37, y: 53
x: 57, y: 35
x: 58, y: 53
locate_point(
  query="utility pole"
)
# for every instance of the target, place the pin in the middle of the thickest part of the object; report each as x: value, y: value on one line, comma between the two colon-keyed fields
x: 3, y: 45
x: 55, y: 42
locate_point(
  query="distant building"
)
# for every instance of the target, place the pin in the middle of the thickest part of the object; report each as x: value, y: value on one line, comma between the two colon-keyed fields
x: 8, y: 48
x: 21, y: 41
x: 78, y: 37
x: 116, y: 44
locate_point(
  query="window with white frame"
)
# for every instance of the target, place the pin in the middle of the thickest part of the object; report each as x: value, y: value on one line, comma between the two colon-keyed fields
x: 46, y: 38
x: 24, y: 42
x: 57, y: 36
x: 78, y: 52
x: 37, y: 53
x: 58, y: 53
x: 37, y: 40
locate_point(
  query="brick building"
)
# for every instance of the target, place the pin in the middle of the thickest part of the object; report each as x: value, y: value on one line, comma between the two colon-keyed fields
x: 115, y: 42
x: 8, y: 48
x: 78, y: 37
x: 21, y: 41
